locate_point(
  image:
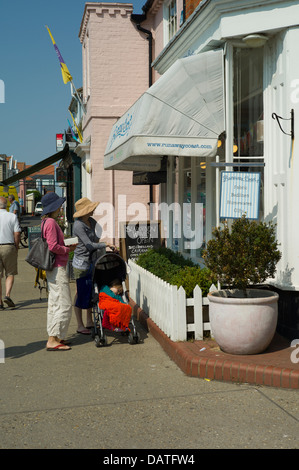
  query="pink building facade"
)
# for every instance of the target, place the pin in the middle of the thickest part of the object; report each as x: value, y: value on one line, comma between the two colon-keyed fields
x: 115, y: 73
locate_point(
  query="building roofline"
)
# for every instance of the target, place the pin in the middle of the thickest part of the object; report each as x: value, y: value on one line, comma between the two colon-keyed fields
x: 98, y: 5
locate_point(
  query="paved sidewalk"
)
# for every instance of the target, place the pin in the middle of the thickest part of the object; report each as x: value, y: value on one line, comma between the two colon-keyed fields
x: 204, y: 359
x: 278, y: 366
x: 124, y: 396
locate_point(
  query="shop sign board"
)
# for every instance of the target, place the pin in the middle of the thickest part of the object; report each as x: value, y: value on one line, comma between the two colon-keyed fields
x: 239, y: 194
x: 138, y: 237
x: 33, y: 234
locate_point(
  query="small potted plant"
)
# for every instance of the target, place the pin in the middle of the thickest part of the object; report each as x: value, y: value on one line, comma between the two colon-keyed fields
x: 243, y: 319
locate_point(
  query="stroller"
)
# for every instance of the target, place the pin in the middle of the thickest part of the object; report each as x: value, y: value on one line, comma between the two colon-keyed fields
x: 106, y: 268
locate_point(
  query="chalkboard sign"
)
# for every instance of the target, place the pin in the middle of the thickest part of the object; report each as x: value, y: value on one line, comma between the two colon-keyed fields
x: 138, y: 237
x: 33, y: 233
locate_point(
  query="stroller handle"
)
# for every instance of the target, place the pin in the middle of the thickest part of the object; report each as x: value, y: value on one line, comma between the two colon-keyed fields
x: 98, y: 252
x: 113, y: 249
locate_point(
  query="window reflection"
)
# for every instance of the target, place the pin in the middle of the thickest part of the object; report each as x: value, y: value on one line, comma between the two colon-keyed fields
x: 248, y: 103
x: 249, y: 111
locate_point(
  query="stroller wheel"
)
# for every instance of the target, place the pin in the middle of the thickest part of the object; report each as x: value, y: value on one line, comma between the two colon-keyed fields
x: 134, y: 338
x: 104, y: 341
x: 100, y: 341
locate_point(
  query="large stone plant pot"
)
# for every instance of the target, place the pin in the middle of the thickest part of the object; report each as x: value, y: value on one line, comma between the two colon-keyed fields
x: 243, y: 325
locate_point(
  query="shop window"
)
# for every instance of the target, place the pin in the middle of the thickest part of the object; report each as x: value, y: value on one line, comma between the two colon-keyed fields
x: 201, y: 194
x: 176, y: 209
x: 194, y: 200
x: 186, y: 200
x: 187, y: 206
x: 248, y: 103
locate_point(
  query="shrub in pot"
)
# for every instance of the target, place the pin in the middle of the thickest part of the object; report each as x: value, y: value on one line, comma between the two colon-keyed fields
x: 243, y: 320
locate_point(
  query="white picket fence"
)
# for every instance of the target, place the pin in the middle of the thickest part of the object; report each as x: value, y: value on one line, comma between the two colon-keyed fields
x: 167, y: 305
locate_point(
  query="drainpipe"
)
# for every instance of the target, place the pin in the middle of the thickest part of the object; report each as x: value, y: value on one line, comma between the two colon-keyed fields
x: 150, y: 52
x: 150, y: 80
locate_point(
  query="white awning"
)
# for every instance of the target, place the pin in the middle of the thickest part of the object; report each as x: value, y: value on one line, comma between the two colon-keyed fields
x: 181, y: 114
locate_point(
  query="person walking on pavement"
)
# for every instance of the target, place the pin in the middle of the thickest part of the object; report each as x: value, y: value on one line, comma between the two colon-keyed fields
x: 10, y: 234
x: 88, y: 242
x: 14, y: 206
x: 59, y: 301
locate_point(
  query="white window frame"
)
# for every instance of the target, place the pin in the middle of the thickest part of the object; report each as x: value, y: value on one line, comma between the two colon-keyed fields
x: 230, y: 158
x: 169, y: 21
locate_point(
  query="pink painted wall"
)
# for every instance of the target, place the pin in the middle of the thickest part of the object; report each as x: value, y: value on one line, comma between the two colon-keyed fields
x: 155, y: 16
x: 115, y: 74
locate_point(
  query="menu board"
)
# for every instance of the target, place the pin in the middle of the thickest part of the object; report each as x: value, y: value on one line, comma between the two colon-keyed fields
x: 138, y: 237
x: 33, y: 233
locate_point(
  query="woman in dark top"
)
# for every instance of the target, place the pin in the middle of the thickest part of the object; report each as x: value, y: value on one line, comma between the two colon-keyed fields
x: 88, y: 241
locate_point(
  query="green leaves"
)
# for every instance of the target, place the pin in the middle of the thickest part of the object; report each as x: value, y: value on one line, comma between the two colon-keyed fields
x: 176, y: 270
x: 246, y: 254
x: 189, y: 277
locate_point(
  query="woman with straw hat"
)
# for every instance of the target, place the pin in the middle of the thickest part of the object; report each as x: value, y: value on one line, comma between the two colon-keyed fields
x: 88, y: 241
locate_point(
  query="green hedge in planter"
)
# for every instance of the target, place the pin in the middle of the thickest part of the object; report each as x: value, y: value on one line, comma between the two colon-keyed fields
x: 176, y: 270
x: 158, y: 264
x: 189, y: 277
x: 174, y: 257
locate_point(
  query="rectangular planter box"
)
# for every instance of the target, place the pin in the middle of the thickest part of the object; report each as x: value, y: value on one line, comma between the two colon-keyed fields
x: 167, y: 305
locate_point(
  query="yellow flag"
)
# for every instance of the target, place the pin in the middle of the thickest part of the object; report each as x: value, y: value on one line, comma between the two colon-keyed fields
x: 66, y: 76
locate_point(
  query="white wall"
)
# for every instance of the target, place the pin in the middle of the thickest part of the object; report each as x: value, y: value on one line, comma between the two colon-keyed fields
x: 281, y: 160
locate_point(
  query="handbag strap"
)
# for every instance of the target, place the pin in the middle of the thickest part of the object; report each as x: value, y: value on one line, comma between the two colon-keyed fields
x: 42, y: 226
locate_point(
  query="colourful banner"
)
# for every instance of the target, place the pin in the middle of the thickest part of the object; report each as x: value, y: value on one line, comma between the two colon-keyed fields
x: 78, y: 132
x: 73, y: 134
x: 66, y: 76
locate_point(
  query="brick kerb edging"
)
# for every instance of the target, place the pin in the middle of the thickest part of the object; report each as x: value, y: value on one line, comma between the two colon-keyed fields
x: 212, y: 368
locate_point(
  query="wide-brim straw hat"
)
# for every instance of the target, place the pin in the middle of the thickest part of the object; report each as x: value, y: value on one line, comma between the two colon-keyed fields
x: 84, y: 206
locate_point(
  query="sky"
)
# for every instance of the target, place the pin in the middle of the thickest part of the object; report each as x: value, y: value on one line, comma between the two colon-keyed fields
x: 34, y: 106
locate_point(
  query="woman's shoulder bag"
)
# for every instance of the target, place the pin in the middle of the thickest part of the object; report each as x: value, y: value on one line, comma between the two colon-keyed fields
x: 39, y: 255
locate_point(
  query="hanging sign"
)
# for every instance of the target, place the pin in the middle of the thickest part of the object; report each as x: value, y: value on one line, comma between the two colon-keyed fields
x: 61, y: 175
x: 59, y: 142
x: 239, y: 195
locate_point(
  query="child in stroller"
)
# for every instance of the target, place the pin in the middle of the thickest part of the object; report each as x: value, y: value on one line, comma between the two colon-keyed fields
x: 110, y: 309
x: 117, y: 313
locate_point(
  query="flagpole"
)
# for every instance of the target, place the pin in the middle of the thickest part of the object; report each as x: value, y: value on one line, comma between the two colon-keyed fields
x: 77, y: 95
